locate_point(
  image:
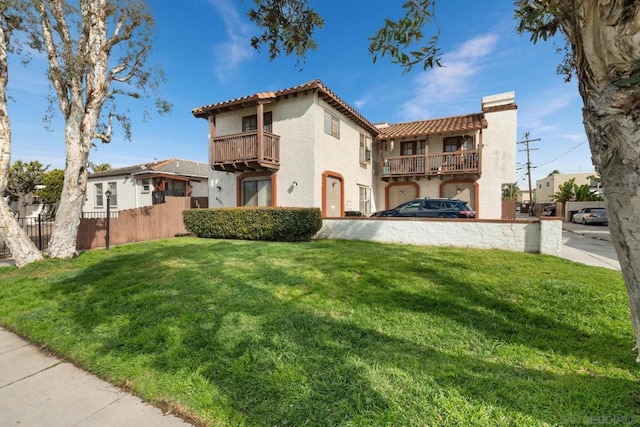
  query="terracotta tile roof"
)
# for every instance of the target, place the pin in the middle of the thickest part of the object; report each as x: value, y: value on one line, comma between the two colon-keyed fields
x: 435, y: 126
x: 316, y: 85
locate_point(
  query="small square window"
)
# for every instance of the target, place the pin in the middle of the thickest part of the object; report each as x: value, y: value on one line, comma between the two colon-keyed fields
x: 331, y: 125
x: 365, y: 149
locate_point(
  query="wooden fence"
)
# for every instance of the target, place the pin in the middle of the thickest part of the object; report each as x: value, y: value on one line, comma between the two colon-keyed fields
x: 135, y: 225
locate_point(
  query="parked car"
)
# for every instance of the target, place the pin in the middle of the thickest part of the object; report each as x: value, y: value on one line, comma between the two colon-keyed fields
x: 590, y: 216
x: 430, y: 208
x: 549, y: 210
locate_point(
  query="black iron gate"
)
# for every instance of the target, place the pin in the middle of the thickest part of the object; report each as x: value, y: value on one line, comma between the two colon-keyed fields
x: 39, y: 231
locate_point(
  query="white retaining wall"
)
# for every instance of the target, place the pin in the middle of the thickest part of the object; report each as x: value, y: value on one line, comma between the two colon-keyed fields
x: 536, y: 236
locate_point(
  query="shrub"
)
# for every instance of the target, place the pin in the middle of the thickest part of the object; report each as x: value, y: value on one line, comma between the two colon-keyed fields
x: 254, y: 223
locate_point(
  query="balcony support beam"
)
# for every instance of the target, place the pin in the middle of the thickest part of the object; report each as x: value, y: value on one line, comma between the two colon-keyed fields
x: 212, y: 134
x: 260, y: 124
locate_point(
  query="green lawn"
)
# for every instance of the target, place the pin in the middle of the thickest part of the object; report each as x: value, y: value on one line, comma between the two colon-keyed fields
x: 339, y: 333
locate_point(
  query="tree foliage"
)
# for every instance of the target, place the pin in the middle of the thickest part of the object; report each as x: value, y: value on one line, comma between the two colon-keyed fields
x: 510, y: 191
x: 52, y: 181
x: 287, y: 25
x: 401, y: 39
x: 569, y: 190
x: 99, y: 167
x: 23, y: 178
x: 566, y: 191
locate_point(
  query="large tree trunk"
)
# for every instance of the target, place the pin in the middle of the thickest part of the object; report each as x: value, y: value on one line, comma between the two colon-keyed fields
x: 65, y: 229
x: 22, y: 248
x: 606, y: 51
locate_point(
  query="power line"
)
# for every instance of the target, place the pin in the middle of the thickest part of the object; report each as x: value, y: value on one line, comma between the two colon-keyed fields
x: 526, y: 142
x: 562, y: 155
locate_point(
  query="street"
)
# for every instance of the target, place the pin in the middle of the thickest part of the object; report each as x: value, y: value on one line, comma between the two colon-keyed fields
x: 592, y: 242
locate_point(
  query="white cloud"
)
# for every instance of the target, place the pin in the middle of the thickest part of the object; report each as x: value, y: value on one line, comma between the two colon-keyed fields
x: 534, y: 114
x: 359, y: 103
x: 229, y: 54
x: 452, y: 80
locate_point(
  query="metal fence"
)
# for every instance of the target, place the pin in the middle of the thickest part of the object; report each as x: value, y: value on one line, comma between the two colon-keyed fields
x: 39, y: 231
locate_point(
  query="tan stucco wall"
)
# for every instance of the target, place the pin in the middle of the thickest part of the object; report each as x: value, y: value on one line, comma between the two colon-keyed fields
x: 547, y: 187
x: 498, y: 156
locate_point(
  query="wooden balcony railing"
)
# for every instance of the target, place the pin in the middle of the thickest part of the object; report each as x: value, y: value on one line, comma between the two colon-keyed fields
x: 453, y: 163
x: 244, y: 151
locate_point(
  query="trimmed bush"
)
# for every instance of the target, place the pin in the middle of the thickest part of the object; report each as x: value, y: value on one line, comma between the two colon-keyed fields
x: 254, y: 223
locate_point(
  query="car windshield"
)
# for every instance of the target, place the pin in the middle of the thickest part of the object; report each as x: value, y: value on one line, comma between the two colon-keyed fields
x: 599, y: 211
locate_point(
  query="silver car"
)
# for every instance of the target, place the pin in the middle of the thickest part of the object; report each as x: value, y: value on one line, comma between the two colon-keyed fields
x: 590, y: 216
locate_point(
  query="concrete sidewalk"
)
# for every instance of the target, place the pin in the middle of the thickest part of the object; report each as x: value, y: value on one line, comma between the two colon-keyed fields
x: 37, y: 389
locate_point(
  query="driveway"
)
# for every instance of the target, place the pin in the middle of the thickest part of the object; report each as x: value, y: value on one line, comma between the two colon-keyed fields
x: 589, y: 244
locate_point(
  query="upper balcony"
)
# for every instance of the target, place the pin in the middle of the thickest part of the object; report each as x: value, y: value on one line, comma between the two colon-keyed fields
x: 246, y: 151
x: 466, y: 162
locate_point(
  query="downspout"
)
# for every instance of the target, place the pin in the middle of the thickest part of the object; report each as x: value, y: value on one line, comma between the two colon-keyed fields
x: 135, y: 188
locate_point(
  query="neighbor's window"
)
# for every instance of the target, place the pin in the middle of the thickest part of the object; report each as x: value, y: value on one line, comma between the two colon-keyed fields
x: 99, y: 199
x: 146, y: 185
x: 113, y: 200
x: 458, y: 143
x: 250, y: 123
x: 365, y: 200
x: 256, y: 191
x: 331, y: 125
x: 365, y: 149
x: 410, y: 148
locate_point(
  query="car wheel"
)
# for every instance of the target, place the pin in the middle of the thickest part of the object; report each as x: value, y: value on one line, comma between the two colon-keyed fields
x: 584, y: 221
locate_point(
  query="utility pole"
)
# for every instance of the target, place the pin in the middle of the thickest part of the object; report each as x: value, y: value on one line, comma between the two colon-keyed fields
x: 526, y: 142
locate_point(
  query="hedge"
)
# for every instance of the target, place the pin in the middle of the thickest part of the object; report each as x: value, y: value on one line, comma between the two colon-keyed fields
x: 254, y: 223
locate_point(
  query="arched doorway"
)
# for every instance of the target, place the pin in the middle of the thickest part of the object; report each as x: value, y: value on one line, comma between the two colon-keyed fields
x: 463, y: 189
x: 400, y: 192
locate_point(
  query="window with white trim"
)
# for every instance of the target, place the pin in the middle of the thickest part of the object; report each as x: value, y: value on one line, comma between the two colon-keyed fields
x: 99, y: 198
x: 331, y: 124
x: 365, y: 149
x: 365, y: 200
x: 113, y: 200
x: 146, y: 185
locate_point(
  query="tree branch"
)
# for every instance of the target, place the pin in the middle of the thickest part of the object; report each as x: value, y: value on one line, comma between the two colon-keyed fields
x: 55, y: 71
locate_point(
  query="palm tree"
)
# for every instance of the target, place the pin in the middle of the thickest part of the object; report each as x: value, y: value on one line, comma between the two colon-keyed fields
x: 510, y: 191
x: 99, y: 167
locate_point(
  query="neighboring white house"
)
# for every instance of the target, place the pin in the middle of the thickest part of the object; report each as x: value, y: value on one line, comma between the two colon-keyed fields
x: 550, y: 185
x: 146, y: 184
x: 304, y: 146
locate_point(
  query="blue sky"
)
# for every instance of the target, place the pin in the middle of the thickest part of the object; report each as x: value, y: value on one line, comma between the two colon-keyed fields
x: 203, y: 46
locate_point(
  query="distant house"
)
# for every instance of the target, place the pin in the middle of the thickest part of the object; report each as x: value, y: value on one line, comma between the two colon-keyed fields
x: 147, y: 184
x: 305, y: 146
x: 547, y: 187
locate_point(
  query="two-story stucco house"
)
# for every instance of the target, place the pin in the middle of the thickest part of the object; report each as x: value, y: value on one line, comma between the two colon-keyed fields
x: 302, y: 146
x: 146, y: 184
x: 306, y: 147
x: 467, y: 157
